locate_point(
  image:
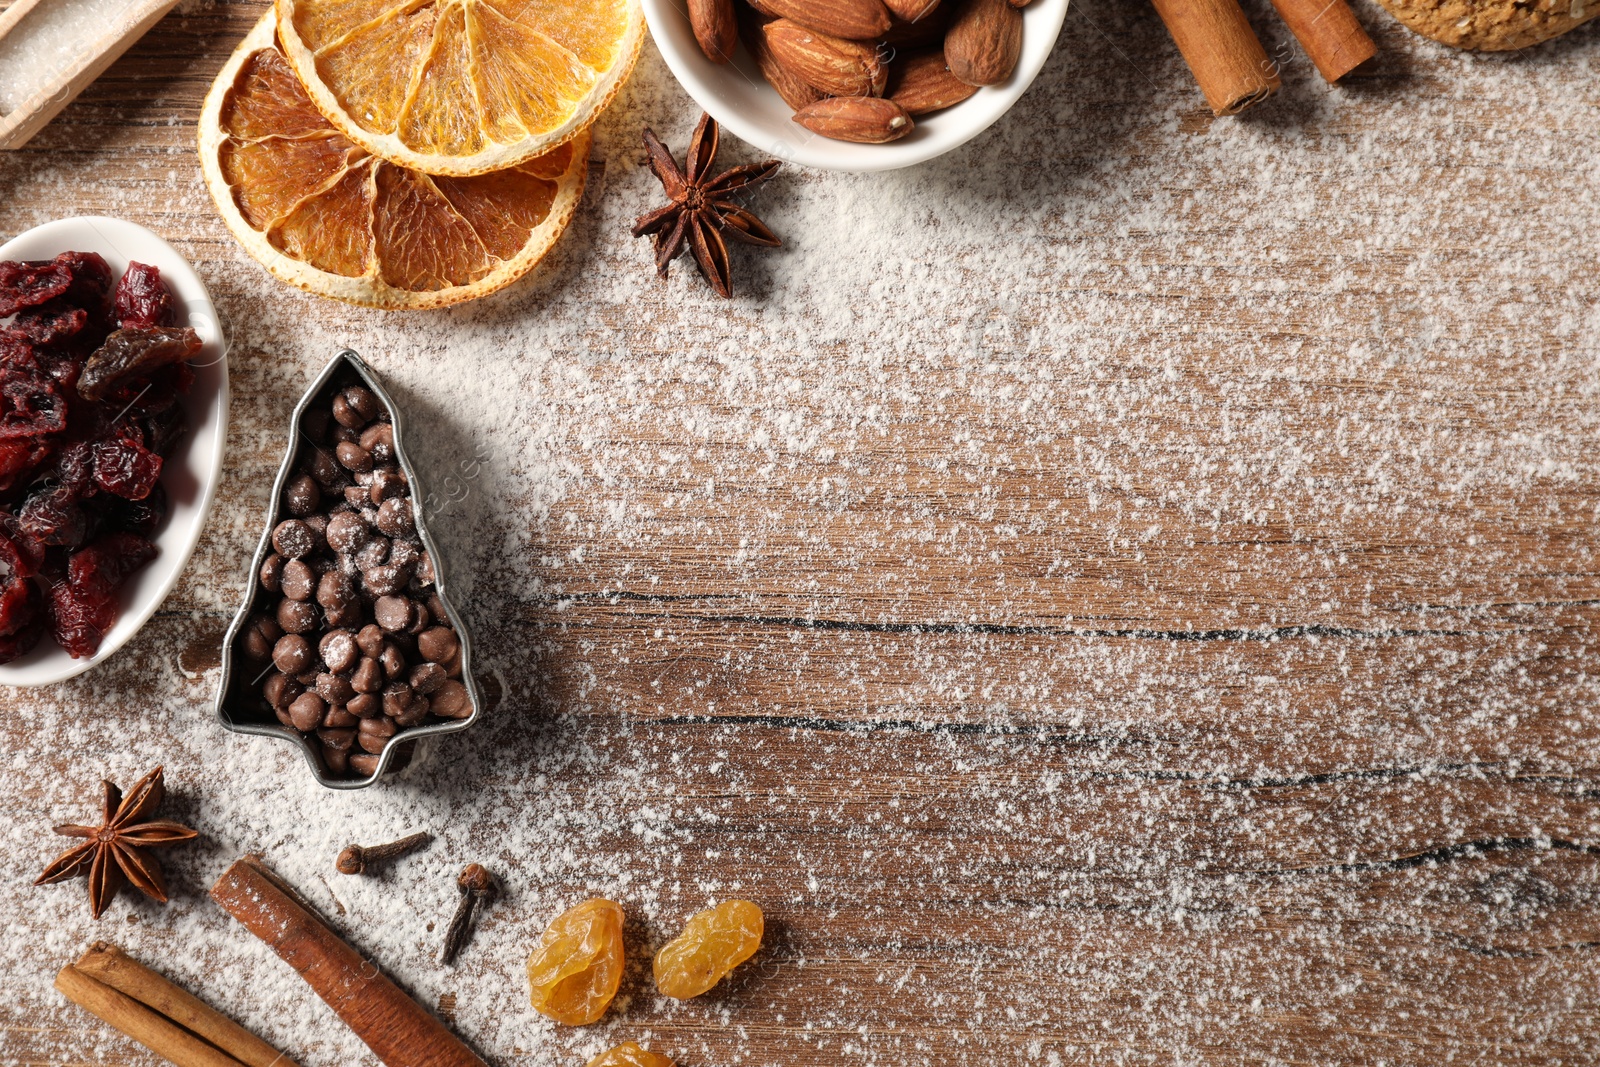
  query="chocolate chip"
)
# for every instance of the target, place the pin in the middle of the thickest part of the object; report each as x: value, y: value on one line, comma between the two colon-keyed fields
x: 337, y: 738
x: 374, y: 553
x: 280, y: 691
x: 324, y: 469
x: 294, y: 539
x: 392, y: 612
x: 370, y: 640
x: 298, y: 580
x: 339, y: 719
x: 451, y: 701
x: 347, y: 532
x: 353, y: 457
x: 355, y: 495
x: 368, y: 676
x: 419, y: 618
x: 341, y: 435
x: 404, y: 552
x: 334, y: 590
x: 334, y: 689
x: 365, y: 705
x: 297, y: 616
x: 393, y: 663
x: 426, y: 576
x: 378, y: 439
x: 385, y: 580
x: 395, y: 517
x: 345, y: 414
x: 272, y: 573
x: 426, y: 678
x: 387, y: 483
x: 437, y: 644
x: 307, y: 712
x: 302, y: 495
x: 396, y: 698
x: 319, y: 529
x: 348, y: 614
x: 339, y: 651
x: 373, y: 734
x: 413, y: 713
x: 364, y: 402
x: 363, y: 764
x: 292, y: 654
x: 260, y: 636
x: 336, y: 761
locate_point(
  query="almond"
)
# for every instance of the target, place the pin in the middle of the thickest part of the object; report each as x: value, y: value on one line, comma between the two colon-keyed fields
x: 796, y: 91
x: 833, y: 66
x: 715, y: 28
x: 866, y: 119
x: 913, y: 10
x: 856, y: 20
x: 984, y: 41
x: 921, y: 82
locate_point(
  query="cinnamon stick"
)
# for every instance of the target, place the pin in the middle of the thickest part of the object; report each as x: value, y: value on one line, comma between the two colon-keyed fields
x: 1329, y: 32
x: 110, y: 966
x: 397, y: 1029
x: 1222, y: 50
x: 151, y: 1029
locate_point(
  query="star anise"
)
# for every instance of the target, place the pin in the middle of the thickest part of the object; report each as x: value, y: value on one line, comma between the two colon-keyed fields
x: 114, y: 853
x: 703, y: 211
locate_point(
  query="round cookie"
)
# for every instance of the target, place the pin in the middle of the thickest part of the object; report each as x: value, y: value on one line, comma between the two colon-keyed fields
x: 1492, y: 25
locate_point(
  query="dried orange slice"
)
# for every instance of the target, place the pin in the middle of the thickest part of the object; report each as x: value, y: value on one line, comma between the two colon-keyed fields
x: 325, y: 215
x: 460, y: 87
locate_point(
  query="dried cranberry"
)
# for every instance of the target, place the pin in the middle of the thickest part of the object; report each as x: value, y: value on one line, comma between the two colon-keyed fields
x: 75, y: 470
x: 143, y: 300
x: 19, y: 459
x: 51, y: 323
x: 27, y: 285
x: 134, y: 355
x: 30, y: 405
x: 100, y: 569
x: 15, y: 348
x: 19, y: 604
x: 53, y: 517
x: 79, y: 622
x: 83, y: 606
x: 19, y: 551
x: 22, y: 642
x: 126, y: 468
x: 163, y: 429
x: 137, y: 516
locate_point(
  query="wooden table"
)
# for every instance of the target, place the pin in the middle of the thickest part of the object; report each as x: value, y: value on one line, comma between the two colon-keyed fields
x: 1122, y: 593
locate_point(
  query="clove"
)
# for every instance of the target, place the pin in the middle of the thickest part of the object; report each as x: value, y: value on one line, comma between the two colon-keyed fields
x: 354, y: 859
x: 476, y: 884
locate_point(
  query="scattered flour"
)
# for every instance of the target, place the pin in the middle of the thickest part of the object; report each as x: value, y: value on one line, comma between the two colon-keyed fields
x: 1319, y: 382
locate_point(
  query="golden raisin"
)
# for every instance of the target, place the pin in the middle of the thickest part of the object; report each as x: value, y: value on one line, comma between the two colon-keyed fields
x: 629, y: 1054
x: 576, y: 969
x: 713, y: 943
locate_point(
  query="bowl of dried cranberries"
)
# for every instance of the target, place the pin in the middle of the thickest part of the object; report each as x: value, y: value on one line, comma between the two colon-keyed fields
x: 113, y: 411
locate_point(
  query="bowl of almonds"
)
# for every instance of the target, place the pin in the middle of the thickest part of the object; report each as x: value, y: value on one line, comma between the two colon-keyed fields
x: 857, y: 85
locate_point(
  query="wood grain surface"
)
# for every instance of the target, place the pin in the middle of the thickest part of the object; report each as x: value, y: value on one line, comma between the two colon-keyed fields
x: 1125, y: 592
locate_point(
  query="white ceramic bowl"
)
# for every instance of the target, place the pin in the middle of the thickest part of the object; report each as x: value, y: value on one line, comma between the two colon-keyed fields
x: 189, y: 475
x: 736, y: 96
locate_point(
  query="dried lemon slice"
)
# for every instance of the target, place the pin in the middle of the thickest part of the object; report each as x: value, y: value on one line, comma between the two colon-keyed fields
x: 325, y: 215
x: 460, y: 86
